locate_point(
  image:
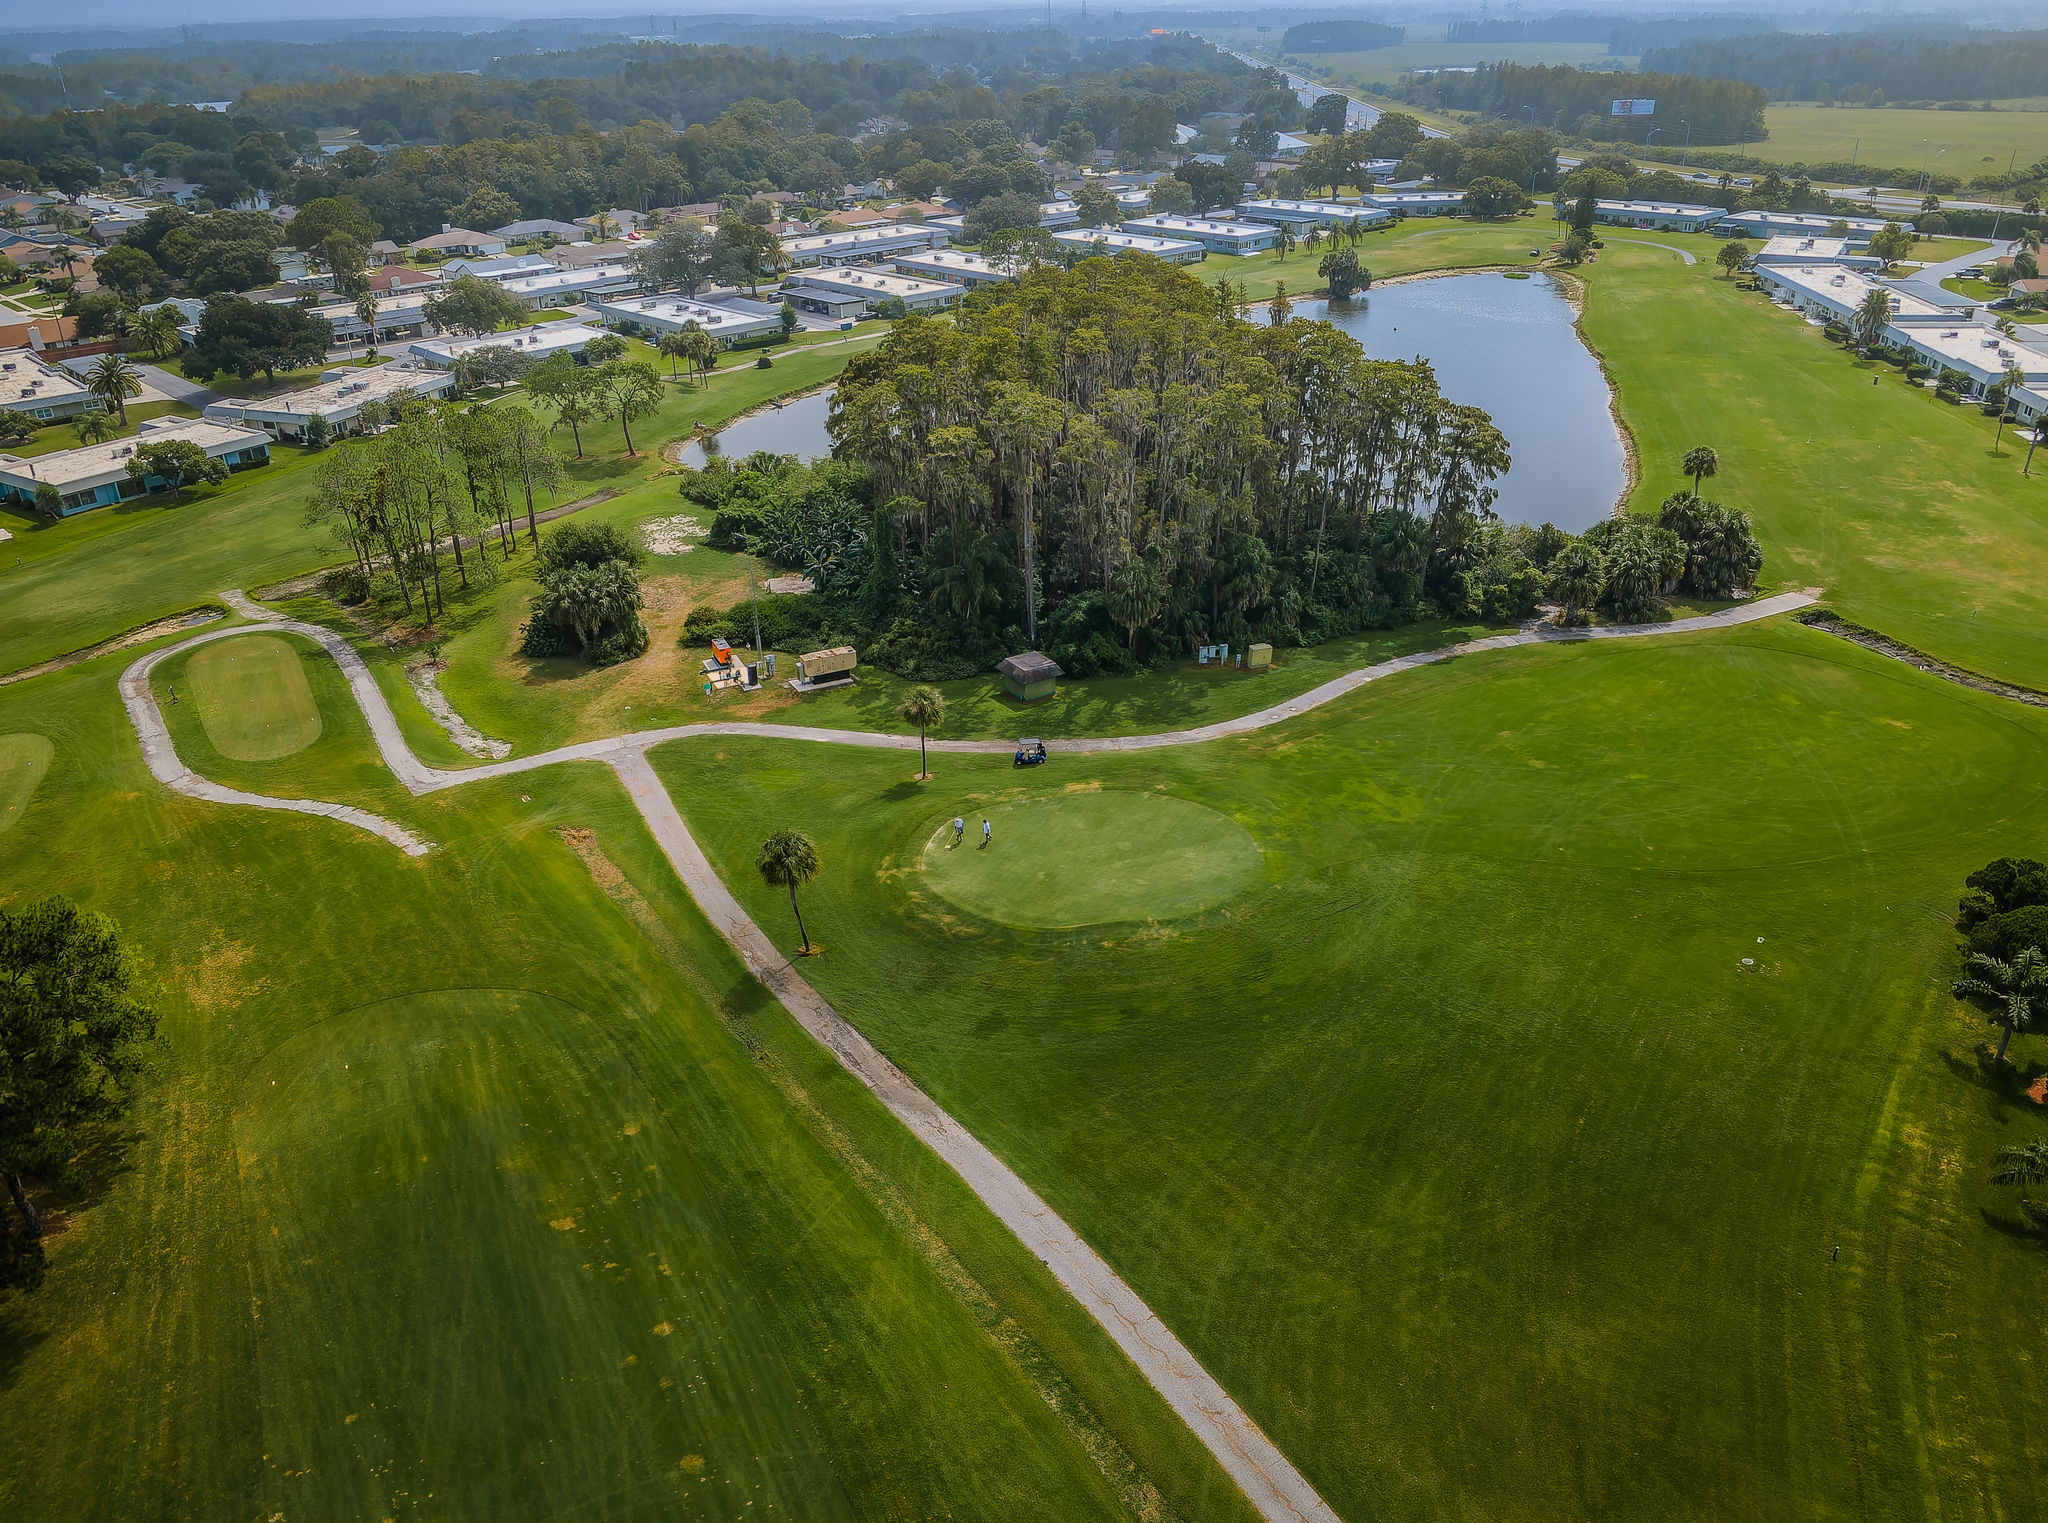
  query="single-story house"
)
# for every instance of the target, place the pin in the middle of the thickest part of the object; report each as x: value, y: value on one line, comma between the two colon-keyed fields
x: 861, y: 245
x: 37, y: 332
x: 852, y: 292
x: 728, y: 321
x: 402, y: 314
x: 957, y: 265
x: 1419, y: 203
x: 1087, y: 242
x: 539, y: 227
x: 576, y: 256
x: 1303, y: 215
x: 1289, y: 146
x: 97, y: 474
x: 339, y: 398
x: 188, y: 308
x: 1216, y: 236
x: 1670, y: 216
x: 400, y: 278
x: 703, y: 211
x: 384, y: 251
x: 1133, y: 203
x: 1857, y: 230
x: 459, y: 240
x: 615, y: 221
x: 1785, y: 249
x: 540, y: 342
x: 848, y: 221
x: 503, y: 267
x: 913, y: 211
x: 1835, y: 291
x: 41, y: 390
x: 554, y: 287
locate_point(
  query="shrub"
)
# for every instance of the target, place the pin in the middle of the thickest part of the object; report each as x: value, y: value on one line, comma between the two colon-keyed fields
x: 347, y: 585
x: 764, y: 363
x: 2004, y: 936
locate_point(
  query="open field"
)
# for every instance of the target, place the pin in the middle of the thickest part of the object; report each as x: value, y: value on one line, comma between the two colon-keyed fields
x: 1625, y: 963
x: 253, y: 698
x: 1977, y: 142
x: 1423, y: 48
x: 489, y: 1184
x: 64, y: 586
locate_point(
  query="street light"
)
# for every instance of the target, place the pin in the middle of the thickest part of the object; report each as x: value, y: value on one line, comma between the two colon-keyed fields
x: 1688, y: 142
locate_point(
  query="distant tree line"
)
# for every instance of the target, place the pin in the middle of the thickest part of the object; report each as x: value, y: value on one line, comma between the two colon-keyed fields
x: 1868, y: 68
x: 1575, y: 101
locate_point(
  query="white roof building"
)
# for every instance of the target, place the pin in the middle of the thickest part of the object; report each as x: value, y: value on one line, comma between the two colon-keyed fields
x: 1304, y: 214
x: 861, y: 244
x: 1785, y: 249
x: 1412, y: 203
x: 540, y: 342
x: 501, y: 267
x: 1676, y: 216
x: 955, y: 265
x: 1086, y: 243
x: 98, y: 474
x: 400, y: 314
x: 339, y: 398
x: 41, y: 390
x: 1217, y: 236
x: 727, y: 321
x: 1800, y: 224
x: 854, y: 292
x: 556, y: 286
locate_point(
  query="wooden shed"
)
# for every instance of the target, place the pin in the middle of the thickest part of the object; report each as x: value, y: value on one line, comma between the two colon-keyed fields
x: 1029, y: 677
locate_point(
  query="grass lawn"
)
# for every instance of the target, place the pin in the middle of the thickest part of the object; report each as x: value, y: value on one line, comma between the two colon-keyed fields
x: 253, y: 698
x: 1419, y: 243
x: 1495, y: 1142
x: 1890, y: 501
x: 1977, y: 142
x: 490, y: 1185
x: 1985, y: 291
x: 92, y: 575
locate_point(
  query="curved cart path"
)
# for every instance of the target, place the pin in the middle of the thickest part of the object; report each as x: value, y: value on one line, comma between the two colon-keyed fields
x: 1279, y: 1492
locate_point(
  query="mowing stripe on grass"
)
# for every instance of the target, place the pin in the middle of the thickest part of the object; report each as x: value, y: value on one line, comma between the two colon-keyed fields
x: 24, y: 763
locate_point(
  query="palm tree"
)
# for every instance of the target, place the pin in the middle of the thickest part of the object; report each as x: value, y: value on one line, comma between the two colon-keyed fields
x: 1700, y: 463
x: 2026, y: 1164
x: 702, y: 350
x: 675, y: 346
x: 2013, y: 379
x: 155, y: 332
x: 925, y: 708
x: 1283, y: 241
x: 2015, y: 987
x: 97, y: 428
x: 788, y: 859
x: 1576, y: 580
x: 1873, y: 316
x: 113, y: 380
x: 366, y: 314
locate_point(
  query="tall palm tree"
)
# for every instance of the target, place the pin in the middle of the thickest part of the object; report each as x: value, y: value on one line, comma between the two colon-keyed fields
x: 1283, y: 241
x: 2013, y: 379
x: 1700, y: 463
x: 113, y: 380
x: 366, y: 314
x: 925, y: 708
x: 1576, y: 579
x: 1873, y: 316
x: 2026, y: 1164
x: 97, y: 427
x: 788, y: 860
x: 2017, y: 989
x: 675, y: 346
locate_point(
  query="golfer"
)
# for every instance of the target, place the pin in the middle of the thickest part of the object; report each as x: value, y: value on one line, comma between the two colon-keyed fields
x: 959, y: 829
x: 984, y: 834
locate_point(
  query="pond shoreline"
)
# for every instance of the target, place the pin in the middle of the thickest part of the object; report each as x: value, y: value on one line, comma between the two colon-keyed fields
x: 673, y: 451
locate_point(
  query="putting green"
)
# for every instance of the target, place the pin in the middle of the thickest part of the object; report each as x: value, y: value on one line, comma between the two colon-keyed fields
x: 253, y: 698
x: 1075, y: 859
x: 24, y: 763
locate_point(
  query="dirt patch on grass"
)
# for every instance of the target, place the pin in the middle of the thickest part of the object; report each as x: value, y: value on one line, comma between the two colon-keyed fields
x: 2038, y: 1090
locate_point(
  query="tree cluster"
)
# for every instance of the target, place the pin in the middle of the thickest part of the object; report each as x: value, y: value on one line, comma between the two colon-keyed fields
x: 1575, y: 101
x: 589, y: 599
x: 1861, y: 68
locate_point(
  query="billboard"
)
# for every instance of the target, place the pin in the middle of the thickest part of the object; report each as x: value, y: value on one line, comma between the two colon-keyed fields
x: 1632, y: 108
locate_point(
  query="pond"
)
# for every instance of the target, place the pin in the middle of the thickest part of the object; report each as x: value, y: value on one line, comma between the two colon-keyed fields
x: 797, y: 428
x: 1510, y: 347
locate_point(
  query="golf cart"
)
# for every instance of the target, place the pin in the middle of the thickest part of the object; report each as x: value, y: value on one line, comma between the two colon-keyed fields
x: 1030, y: 753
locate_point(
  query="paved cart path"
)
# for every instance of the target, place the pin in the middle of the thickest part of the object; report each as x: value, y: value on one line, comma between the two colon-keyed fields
x: 1269, y: 1480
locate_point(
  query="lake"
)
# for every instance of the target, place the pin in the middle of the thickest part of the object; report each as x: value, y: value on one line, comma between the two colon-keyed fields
x: 1510, y: 347
x: 797, y: 428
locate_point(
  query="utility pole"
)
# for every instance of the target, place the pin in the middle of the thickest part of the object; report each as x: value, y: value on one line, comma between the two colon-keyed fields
x: 2004, y: 191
